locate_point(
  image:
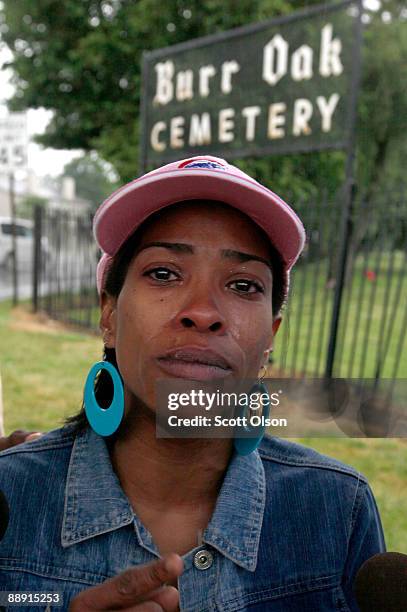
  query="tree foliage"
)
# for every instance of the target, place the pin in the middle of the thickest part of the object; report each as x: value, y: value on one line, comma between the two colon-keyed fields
x: 81, y: 58
x: 92, y: 180
x: 383, y: 105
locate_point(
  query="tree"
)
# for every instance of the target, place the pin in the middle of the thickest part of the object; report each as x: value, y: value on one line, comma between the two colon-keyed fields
x: 82, y: 59
x: 93, y: 179
x: 382, y: 125
x: 383, y: 106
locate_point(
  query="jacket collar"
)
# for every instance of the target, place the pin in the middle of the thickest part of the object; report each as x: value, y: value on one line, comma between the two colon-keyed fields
x: 95, y: 503
x: 236, y: 523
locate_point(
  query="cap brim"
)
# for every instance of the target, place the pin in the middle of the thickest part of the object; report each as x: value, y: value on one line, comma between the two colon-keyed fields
x: 127, y: 208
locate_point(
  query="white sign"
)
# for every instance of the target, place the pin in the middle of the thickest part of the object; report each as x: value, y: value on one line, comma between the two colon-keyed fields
x: 13, y: 142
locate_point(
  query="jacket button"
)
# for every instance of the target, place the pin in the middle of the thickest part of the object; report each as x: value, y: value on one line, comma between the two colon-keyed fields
x: 203, y: 559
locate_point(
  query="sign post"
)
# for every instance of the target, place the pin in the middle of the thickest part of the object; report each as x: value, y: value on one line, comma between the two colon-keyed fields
x: 13, y: 215
x: 13, y: 157
x: 347, y: 211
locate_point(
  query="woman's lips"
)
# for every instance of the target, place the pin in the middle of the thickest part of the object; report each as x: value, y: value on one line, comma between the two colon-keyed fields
x: 194, y: 364
x: 192, y: 370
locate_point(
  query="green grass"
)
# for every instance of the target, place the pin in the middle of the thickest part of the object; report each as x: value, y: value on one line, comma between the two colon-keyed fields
x: 43, y: 374
x: 302, y: 339
x: 384, y: 463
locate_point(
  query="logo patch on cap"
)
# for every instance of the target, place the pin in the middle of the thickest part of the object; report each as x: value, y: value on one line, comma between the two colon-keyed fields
x: 204, y: 164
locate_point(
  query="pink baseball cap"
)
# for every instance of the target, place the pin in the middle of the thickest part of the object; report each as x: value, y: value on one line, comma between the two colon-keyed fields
x: 202, y: 177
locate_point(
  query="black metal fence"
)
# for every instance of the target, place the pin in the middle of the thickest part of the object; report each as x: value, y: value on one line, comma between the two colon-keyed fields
x: 373, y: 315
x: 64, y: 285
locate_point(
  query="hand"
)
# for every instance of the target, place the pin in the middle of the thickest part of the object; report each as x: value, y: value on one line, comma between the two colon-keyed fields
x: 18, y: 437
x: 138, y: 589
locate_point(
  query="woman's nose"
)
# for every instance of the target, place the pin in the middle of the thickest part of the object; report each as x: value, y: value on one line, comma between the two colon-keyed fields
x: 202, y: 314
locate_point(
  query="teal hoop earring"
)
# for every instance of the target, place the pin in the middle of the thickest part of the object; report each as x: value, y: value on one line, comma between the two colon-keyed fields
x: 245, y: 446
x: 104, y: 421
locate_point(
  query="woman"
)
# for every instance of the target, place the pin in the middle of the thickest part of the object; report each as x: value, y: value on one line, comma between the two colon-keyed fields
x: 195, y: 272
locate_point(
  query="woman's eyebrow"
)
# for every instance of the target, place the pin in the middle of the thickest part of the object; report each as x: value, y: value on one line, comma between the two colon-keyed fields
x: 179, y: 247
x: 242, y: 257
x: 182, y: 247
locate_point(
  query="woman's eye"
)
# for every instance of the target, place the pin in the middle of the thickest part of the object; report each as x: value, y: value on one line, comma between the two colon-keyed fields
x: 246, y: 286
x: 161, y: 274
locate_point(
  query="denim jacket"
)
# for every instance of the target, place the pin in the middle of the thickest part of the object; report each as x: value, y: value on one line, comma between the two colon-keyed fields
x: 289, y: 531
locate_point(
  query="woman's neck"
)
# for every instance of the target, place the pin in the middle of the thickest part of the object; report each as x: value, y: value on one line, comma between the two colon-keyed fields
x: 164, y: 473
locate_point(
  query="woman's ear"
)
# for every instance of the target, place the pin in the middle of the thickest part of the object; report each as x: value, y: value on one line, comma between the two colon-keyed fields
x: 107, y: 322
x: 274, y: 328
x: 276, y: 324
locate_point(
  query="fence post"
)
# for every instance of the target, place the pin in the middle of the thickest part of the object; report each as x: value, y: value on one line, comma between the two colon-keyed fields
x: 345, y: 233
x: 350, y: 187
x: 37, y: 256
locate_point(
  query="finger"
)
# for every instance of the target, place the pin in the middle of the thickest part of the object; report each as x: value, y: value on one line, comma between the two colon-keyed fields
x: 3, y: 443
x: 16, y: 437
x: 33, y: 436
x: 126, y: 588
x: 167, y: 597
x: 148, y: 606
